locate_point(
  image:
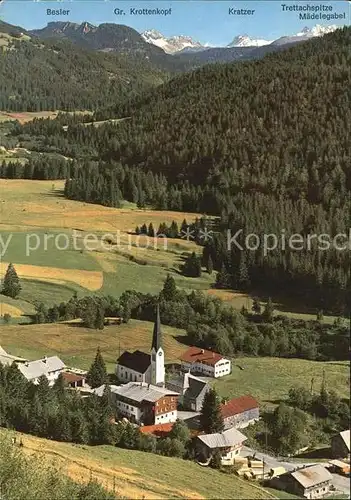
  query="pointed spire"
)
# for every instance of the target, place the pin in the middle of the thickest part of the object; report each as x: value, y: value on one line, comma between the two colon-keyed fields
x: 157, y: 335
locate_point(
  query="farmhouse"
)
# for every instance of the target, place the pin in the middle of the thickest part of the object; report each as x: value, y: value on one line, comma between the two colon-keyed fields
x: 203, y: 362
x: 229, y: 443
x: 191, y: 390
x: 144, y: 403
x: 139, y: 366
x: 340, y: 444
x: 309, y: 482
x: 50, y: 367
x: 240, y: 412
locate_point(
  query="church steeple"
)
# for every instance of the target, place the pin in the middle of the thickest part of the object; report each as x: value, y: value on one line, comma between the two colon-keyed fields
x: 157, y: 335
x: 157, y: 372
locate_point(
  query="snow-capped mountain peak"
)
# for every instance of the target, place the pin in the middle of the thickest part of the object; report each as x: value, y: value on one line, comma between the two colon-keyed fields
x: 306, y: 34
x: 172, y: 44
x: 181, y: 43
x: 317, y: 30
x: 151, y: 35
x: 246, y: 41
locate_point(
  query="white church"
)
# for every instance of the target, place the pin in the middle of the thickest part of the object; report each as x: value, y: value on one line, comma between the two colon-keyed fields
x: 139, y: 366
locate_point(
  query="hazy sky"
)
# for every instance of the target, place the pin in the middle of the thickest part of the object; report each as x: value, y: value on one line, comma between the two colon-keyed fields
x: 206, y: 21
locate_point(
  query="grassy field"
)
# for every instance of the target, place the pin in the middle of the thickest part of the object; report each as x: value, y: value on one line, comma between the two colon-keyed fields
x: 46, y: 233
x: 138, y: 475
x: 24, y: 117
x: 77, y: 345
x: 269, y: 379
x: 28, y: 116
x: 39, y: 204
x: 38, y: 222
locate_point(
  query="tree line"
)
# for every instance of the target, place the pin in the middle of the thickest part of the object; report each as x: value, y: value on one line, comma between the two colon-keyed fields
x: 40, y: 168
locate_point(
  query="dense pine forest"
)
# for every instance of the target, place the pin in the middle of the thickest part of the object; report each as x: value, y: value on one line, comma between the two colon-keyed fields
x: 262, y: 144
x: 38, y: 75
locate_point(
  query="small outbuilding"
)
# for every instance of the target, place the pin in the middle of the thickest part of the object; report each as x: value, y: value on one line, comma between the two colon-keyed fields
x: 229, y: 443
x: 308, y: 482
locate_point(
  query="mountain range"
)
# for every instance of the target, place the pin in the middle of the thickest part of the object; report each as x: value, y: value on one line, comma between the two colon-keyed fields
x: 181, y: 43
x: 152, y: 43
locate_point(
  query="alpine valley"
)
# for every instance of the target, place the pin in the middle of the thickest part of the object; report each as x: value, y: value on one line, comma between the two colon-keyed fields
x: 174, y: 263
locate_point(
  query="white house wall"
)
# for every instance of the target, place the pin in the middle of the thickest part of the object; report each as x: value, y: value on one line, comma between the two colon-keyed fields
x: 221, y: 368
x: 129, y: 410
x: 128, y: 375
x: 166, y: 418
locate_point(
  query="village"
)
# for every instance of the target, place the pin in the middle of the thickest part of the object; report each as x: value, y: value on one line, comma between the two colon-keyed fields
x: 153, y: 399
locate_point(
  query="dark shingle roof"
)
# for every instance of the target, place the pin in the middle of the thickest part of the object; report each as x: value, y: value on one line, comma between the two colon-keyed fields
x: 195, y: 388
x: 137, y: 360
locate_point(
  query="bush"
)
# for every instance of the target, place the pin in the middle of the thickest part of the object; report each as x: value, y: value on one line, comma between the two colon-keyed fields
x: 7, y: 318
x: 147, y: 443
x: 216, y: 460
x: 171, y: 447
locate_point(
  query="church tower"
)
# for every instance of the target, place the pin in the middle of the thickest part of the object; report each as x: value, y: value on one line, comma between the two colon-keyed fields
x: 157, y: 353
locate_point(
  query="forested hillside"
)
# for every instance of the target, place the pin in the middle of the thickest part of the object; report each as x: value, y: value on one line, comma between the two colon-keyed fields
x: 264, y: 144
x: 48, y: 75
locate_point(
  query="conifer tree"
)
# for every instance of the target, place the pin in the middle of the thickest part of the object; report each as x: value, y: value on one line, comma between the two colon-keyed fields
x: 54, y: 314
x: 151, y: 230
x: 169, y: 291
x: 184, y: 226
x: 99, y: 318
x: 209, y: 264
x: 97, y: 374
x: 11, y: 285
x: 242, y: 275
x: 256, y: 306
x: 192, y: 266
x: 223, y: 279
x: 174, y: 230
x: 41, y: 313
x: 268, y: 311
x: 211, y: 417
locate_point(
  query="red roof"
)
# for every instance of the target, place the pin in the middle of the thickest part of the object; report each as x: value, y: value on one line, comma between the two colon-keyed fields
x: 195, y: 354
x: 159, y: 430
x: 238, y: 405
x: 72, y: 377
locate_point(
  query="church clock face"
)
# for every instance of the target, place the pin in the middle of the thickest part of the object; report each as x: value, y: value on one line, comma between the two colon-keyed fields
x: 160, y: 353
